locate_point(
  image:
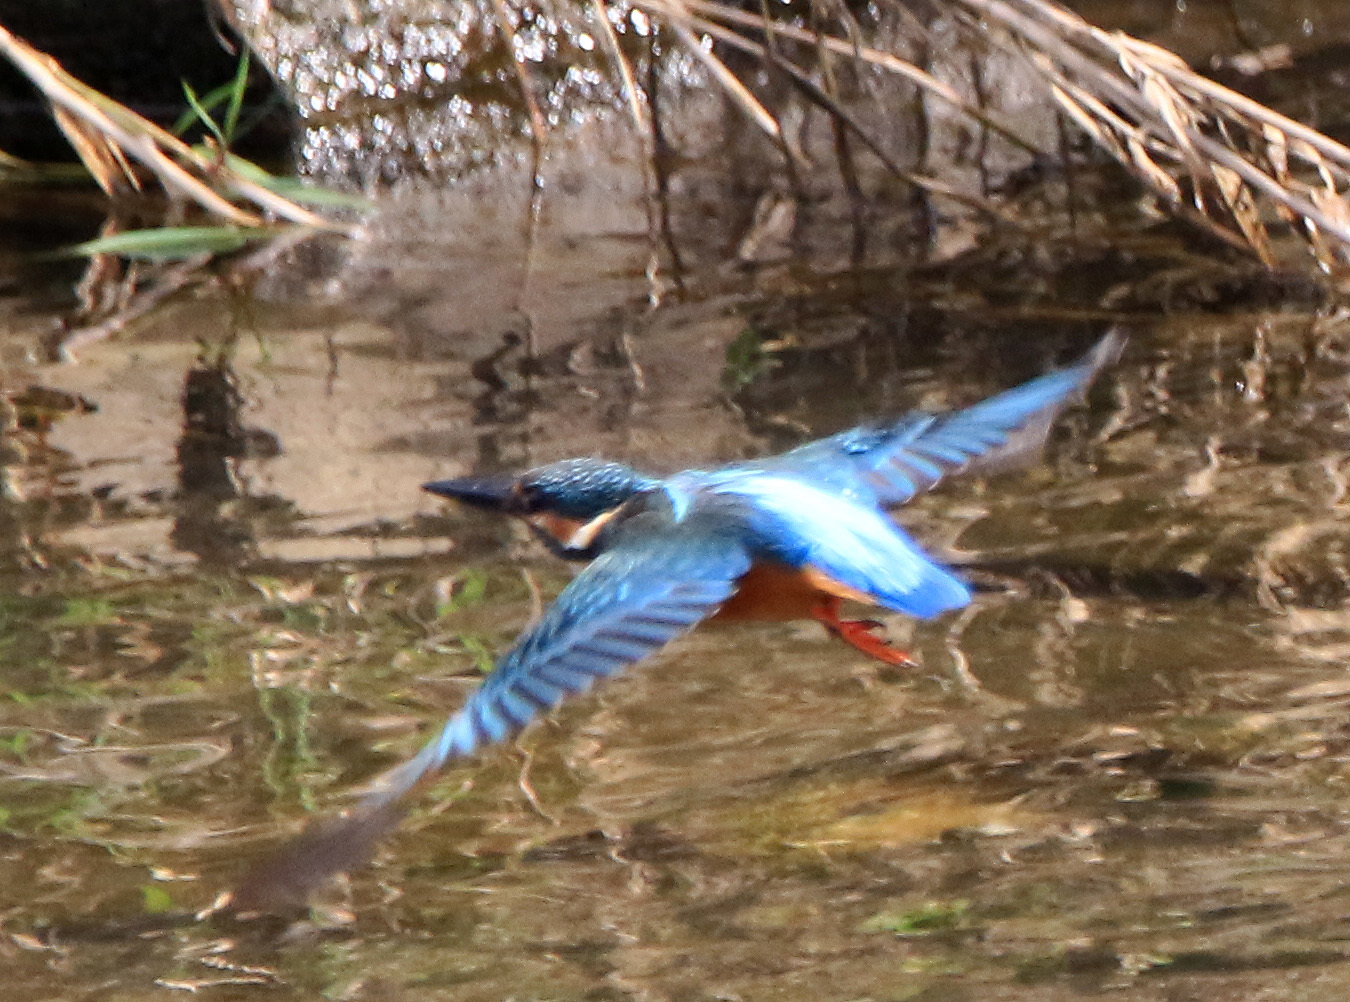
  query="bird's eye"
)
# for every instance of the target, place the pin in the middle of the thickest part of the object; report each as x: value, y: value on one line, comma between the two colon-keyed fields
x: 525, y: 498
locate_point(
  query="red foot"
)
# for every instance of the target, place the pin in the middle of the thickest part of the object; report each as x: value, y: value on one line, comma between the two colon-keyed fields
x: 861, y: 633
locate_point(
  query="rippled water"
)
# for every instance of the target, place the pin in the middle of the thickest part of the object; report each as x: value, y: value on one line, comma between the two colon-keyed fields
x: 225, y: 604
x: 1119, y: 770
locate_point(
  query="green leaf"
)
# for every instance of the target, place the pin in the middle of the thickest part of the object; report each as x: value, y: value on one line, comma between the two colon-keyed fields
x: 479, y: 651
x: 747, y: 360
x: 466, y: 591
x: 155, y: 899
x: 176, y: 242
x: 470, y: 588
x: 199, y: 109
x: 17, y: 743
x: 932, y: 916
x: 86, y: 612
x: 202, y: 114
x: 237, y: 87
x: 294, y: 188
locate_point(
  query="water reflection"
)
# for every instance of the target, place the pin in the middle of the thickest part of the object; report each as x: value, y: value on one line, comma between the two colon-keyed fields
x: 211, y: 501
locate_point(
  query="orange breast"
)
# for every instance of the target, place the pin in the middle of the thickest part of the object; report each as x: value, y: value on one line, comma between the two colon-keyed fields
x: 777, y: 592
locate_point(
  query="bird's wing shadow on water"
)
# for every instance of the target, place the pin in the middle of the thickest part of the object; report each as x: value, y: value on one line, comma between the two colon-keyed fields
x: 284, y: 880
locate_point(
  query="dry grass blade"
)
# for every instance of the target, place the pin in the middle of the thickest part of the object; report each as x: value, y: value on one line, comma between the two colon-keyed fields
x: 1243, y: 208
x: 1131, y: 148
x: 1170, y: 65
x: 108, y: 135
x: 890, y: 62
x: 103, y: 160
x: 1172, y: 110
x: 528, y: 89
x: 1241, y: 164
x: 1212, y: 156
x: 632, y: 95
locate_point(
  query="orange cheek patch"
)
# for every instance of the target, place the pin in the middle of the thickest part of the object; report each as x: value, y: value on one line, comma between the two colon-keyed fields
x: 561, y: 529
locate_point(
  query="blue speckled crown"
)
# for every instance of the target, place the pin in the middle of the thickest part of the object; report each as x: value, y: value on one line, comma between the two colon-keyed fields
x: 583, y: 488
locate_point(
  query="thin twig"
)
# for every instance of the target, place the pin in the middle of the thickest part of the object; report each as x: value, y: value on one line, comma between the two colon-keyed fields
x: 632, y: 95
x: 526, y: 787
x: 175, y: 279
x: 876, y: 57
x: 678, y: 20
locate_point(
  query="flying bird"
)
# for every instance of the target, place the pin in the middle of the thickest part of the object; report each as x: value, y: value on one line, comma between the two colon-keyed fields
x: 786, y: 537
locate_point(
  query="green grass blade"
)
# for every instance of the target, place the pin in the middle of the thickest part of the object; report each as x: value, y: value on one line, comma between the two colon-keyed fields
x: 176, y: 242
x: 236, y: 103
x: 295, y: 189
x: 203, y: 114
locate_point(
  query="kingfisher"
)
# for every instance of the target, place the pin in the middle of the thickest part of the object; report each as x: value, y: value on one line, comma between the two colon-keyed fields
x: 791, y: 536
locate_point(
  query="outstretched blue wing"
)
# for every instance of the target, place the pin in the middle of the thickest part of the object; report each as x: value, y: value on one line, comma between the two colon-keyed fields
x: 655, y: 582
x: 899, y: 460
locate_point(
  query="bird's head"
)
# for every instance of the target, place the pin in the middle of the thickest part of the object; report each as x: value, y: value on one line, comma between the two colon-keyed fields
x: 566, y: 503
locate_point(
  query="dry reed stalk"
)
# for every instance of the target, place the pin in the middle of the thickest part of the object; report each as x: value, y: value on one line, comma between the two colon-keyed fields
x: 818, y: 95
x: 1211, y: 156
x: 678, y: 18
x: 637, y: 108
x: 714, y: 11
x: 1205, y: 150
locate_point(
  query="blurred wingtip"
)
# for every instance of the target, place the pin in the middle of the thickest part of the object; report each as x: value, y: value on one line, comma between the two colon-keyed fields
x: 286, y: 879
x: 1106, y: 351
x: 1026, y: 443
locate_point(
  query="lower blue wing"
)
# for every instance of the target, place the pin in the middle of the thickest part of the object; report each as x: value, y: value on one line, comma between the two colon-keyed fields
x: 899, y: 460
x: 655, y: 582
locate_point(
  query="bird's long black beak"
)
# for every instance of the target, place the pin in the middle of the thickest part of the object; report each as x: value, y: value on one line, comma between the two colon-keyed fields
x: 493, y: 492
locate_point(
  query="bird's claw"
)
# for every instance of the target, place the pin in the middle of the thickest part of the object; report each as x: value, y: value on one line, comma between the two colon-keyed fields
x: 862, y: 635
